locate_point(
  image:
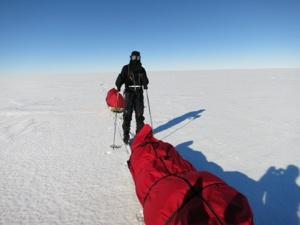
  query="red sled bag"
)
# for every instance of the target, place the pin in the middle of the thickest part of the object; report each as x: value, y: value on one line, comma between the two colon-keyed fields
x: 115, y: 101
x: 173, y: 192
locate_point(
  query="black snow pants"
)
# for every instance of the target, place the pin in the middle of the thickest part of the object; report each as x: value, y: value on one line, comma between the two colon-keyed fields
x: 134, y: 102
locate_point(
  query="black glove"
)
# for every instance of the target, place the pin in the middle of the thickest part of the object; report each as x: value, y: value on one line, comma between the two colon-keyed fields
x: 145, y: 87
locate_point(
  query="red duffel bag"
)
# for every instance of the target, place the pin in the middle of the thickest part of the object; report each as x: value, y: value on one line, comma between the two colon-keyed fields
x: 172, y: 192
x: 115, y: 100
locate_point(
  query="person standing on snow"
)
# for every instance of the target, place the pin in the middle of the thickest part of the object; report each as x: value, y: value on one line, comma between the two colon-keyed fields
x: 135, y: 79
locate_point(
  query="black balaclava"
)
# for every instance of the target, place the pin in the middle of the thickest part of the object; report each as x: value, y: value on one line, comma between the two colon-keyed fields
x: 135, y: 65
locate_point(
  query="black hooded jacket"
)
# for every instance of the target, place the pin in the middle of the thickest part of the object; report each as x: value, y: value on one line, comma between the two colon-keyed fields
x: 130, y: 77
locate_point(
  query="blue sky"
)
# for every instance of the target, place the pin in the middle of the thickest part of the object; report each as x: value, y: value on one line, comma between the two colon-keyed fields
x: 66, y: 36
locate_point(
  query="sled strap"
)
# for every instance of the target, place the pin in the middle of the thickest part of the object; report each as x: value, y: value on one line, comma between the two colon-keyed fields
x: 195, y: 192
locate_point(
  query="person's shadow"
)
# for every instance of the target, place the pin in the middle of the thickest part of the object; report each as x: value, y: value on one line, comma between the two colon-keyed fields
x: 187, y: 116
x: 274, y: 199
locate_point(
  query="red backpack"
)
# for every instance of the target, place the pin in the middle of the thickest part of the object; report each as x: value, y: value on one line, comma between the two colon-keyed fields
x: 115, y: 101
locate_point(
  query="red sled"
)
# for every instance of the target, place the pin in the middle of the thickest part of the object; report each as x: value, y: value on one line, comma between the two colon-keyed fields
x: 115, y: 101
x: 173, y: 192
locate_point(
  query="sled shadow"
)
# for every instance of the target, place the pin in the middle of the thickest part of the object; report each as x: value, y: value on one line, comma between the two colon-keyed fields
x: 187, y: 116
x: 274, y: 199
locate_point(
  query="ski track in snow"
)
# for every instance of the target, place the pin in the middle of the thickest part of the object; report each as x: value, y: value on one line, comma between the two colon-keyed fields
x: 56, y: 166
x: 13, y: 128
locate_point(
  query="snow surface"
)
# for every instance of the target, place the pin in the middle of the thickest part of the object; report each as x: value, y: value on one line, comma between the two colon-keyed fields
x: 56, y: 166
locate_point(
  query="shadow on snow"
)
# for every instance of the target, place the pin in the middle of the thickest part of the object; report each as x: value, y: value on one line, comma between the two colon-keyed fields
x: 275, y: 198
x: 188, y: 116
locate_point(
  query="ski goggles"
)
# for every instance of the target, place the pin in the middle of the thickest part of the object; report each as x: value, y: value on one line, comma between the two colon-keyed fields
x: 135, y: 57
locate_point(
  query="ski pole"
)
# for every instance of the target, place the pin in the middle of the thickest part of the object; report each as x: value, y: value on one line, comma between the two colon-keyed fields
x: 149, y: 108
x: 115, y: 125
x: 113, y: 145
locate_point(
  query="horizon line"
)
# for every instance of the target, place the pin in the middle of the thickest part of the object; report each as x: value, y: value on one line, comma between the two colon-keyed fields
x: 151, y: 71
